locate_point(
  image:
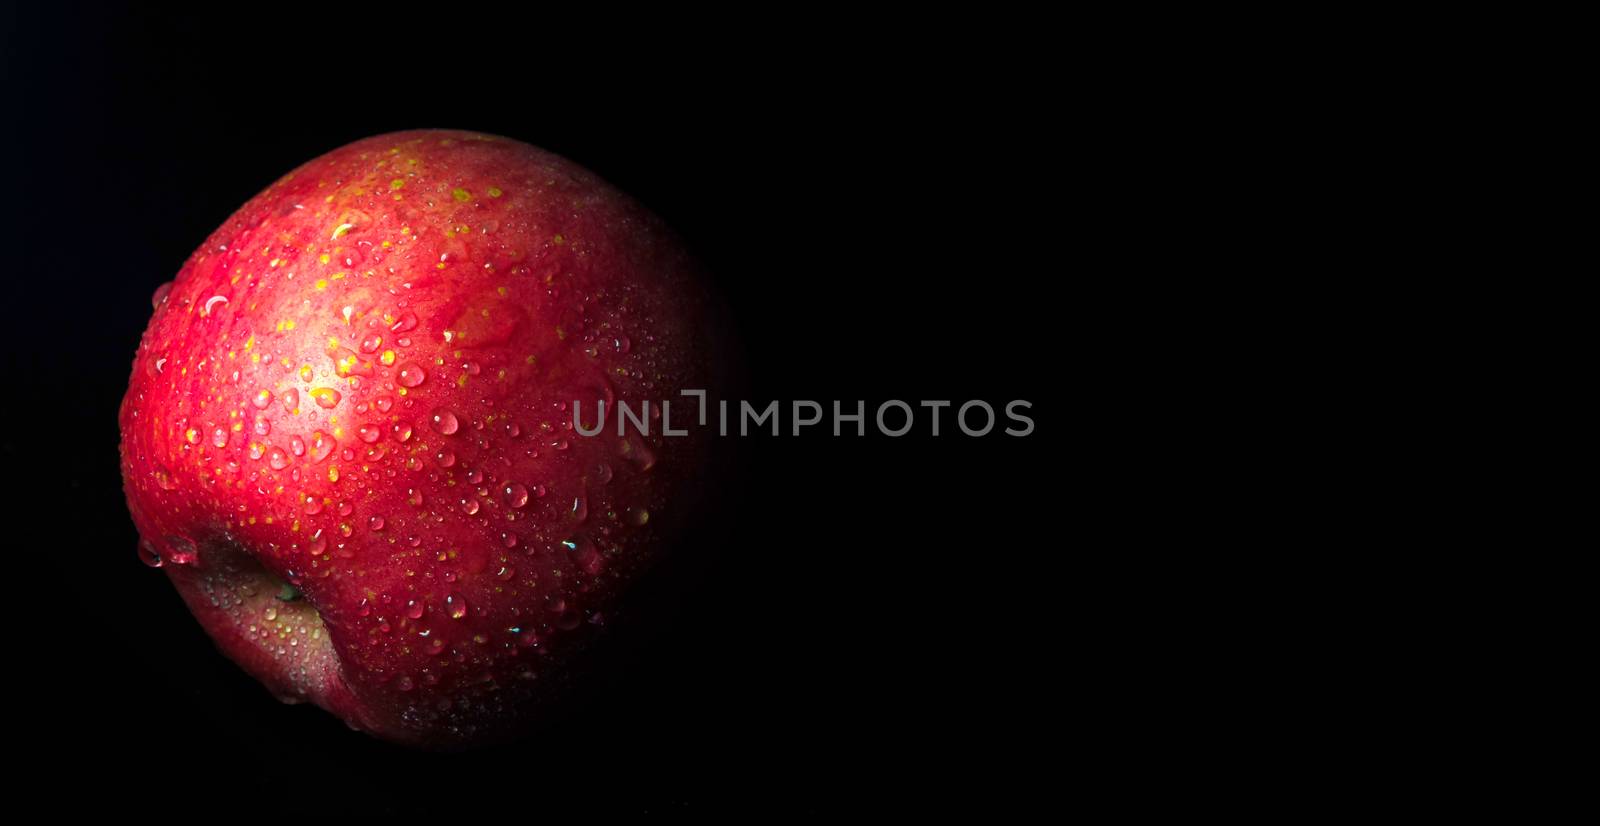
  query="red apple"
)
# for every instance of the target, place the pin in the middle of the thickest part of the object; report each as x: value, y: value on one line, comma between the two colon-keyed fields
x: 348, y: 438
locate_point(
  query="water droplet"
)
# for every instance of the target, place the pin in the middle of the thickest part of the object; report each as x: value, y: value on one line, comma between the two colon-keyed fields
x: 277, y: 458
x: 164, y: 478
x: 219, y: 437
x: 414, y: 609
x: 475, y: 477
x: 147, y: 551
x: 411, y: 375
x: 326, y: 397
x: 262, y: 399
x: 370, y: 433
x: 642, y: 457
x: 405, y: 683
x: 444, y: 421
x: 156, y: 298
x: 180, y: 550
x: 456, y: 605
x: 506, y: 572
x: 291, y: 400
x: 622, y: 344
x: 513, y: 429
x: 602, y: 473
x: 375, y: 523
x: 638, y: 516
x: 321, y: 445
x: 509, y: 539
x: 406, y: 322
x: 371, y: 343
x: 263, y: 427
x: 580, y: 510
x: 402, y: 432
x: 516, y: 495
x: 445, y: 458
x: 414, y: 497
x: 297, y: 446
x: 192, y: 436
x: 470, y: 506
x: 313, y: 505
x: 384, y: 403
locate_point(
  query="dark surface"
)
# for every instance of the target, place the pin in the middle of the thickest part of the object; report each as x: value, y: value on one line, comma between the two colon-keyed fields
x: 894, y: 621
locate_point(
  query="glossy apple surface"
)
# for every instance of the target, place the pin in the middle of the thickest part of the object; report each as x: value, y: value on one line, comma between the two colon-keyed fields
x: 348, y: 437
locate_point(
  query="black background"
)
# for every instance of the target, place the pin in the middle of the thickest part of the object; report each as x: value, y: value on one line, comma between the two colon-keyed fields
x: 895, y: 213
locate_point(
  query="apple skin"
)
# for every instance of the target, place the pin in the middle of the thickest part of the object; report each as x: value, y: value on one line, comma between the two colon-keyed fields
x: 348, y: 440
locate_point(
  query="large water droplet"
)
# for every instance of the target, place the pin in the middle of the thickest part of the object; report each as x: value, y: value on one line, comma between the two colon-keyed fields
x: 516, y: 495
x: 456, y: 605
x: 326, y: 397
x: 444, y: 421
x: 291, y: 400
x: 370, y: 433
x: 411, y: 375
x: 156, y: 298
x: 405, y: 323
x: 180, y: 550
x: 277, y: 458
x: 147, y: 552
x: 321, y: 445
x: 261, y: 399
x: 219, y: 437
